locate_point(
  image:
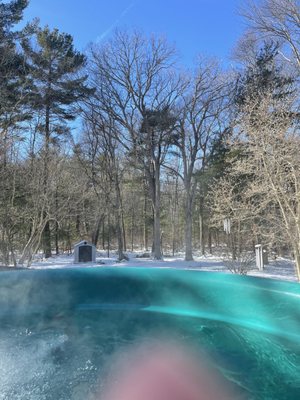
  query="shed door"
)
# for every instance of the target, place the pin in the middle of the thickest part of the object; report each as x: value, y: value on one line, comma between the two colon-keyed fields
x: 85, y: 253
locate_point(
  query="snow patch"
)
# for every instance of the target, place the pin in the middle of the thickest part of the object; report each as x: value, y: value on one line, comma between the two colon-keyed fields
x: 283, y: 269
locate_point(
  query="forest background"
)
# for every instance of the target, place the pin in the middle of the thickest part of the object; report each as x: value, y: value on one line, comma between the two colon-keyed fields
x: 128, y: 148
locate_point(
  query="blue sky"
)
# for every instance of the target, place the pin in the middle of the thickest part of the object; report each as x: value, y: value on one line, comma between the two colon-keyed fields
x: 208, y: 27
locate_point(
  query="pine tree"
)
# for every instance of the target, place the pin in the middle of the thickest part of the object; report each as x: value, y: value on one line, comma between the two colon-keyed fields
x: 54, y: 64
x: 264, y: 77
x: 12, y: 99
x: 12, y: 71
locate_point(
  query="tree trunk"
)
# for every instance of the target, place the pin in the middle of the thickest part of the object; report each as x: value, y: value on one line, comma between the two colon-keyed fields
x: 47, y: 240
x: 209, y: 241
x: 173, y: 237
x: 77, y: 225
x: 233, y: 246
x: 103, y: 233
x: 13, y: 256
x: 123, y: 227
x: 174, y: 218
x: 297, y: 261
x: 69, y: 244
x: 217, y: 238
x: 239, y: 245
x: 145, y: 230
x: 108, y: 234
x: 33, y: 243
x: 56, y: 223
x: 201, y: 232
x: 201, y: 226
x: 132, y: 226
x: 188, y: 227
x: 56, y: 238
x: 95, y: 235
x: 157, y: 254
x: 120, y: 236
x: 47, y: 233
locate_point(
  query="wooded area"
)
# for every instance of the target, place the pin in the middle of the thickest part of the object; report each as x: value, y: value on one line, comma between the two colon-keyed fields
x: 127, y: 148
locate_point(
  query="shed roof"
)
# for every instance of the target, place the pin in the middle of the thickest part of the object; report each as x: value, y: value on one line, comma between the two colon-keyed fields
x: 83, y: 243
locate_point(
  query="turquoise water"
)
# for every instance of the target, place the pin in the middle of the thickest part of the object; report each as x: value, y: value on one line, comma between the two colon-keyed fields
x: 61, y: 329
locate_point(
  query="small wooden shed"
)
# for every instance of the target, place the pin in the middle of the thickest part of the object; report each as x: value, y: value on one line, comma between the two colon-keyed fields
x: 84, y: 252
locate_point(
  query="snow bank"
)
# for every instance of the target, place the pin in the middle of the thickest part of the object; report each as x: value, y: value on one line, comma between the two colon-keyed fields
x: 281, y: 268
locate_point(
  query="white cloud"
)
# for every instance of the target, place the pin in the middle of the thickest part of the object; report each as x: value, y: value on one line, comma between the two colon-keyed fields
x: 115, y: 23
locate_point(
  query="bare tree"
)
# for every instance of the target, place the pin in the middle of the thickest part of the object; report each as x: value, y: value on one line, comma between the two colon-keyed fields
x: 37, y: 207
x: 105, y: 154
x: 268, y: 155
x: 278, y: 20
x: 230, y: 204
x: 200, y: 121
x: 136, y: 87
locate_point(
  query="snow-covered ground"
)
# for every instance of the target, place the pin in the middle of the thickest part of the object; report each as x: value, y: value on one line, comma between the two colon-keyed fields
x: 278, y: 269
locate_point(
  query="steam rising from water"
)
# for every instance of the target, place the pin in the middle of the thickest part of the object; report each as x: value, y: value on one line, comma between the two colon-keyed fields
x: 68, y: 335
x: 45, y: 366
x: 24, y: 362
